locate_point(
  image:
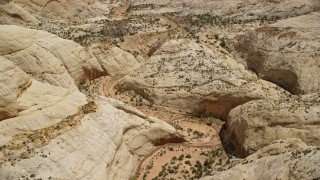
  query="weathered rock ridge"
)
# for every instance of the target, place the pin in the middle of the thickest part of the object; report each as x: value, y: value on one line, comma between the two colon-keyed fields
x: 282, y: 159
x: 190, y: 77
x: 12, y: 13
x: 234, y: 8
x: 286, y: 53
x: 52, y: 131
x: 61, y: 134
x: 48, y: 58
x: 256, y: 124
x: 115, y: 61
x: 65, y: 9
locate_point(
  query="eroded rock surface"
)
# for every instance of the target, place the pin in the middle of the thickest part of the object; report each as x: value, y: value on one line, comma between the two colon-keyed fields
x: 286, y: 53
x: 12, y: 13
x: 235, y: 8
x: 191, y: 77
x: 48, y: 58
x: 13, y: 81
x: 65, y: 9
x: 283, y: 159
x: 256, y: 124
x: 115, y: 61
x: 63, y: 135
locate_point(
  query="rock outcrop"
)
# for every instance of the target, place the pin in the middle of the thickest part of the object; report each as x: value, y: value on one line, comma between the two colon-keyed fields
x: 52, y: 131
x: 192, y: 78
x: 286, y: 53
x: 115, y: 61
x: 234, y: 8
x: 13, y: 81
x: 48, y: 58
x: 11, y: 13
x: 74, y: 9
x: 62, y: 134
x: 256, y: 124
x: 283, y: 159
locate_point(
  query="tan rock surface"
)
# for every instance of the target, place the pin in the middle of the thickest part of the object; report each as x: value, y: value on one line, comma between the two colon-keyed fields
x: 256, y: 124
x: 286, y: 53
x: 47, y: 57
x: 65, y: 9
x: 115, y: 61
x: 62, y: 135
x: 13, y: 81
x: 190, y: 77
x: 240, y: 8
x: 284, y: 159
x: 12, y: 13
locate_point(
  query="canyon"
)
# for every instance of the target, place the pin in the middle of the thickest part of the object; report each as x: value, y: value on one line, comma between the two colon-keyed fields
x: 145, y: 89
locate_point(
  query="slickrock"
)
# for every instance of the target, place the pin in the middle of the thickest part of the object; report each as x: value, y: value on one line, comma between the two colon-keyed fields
x: 63, y: 135
x: 286, y: 53
x: 177, y: 55
x: 256, y: 124
x: 55, y: 9
x: 190, y: 77
x: 283, y: 159
x: 13, y: 81
x: 11, y: 13
x: 47, y: 57
x: 115, y: 61
x: 234, y: 8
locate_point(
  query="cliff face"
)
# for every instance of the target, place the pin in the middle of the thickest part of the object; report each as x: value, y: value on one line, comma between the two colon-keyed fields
x: 256, y: 124
x: 285, y: 53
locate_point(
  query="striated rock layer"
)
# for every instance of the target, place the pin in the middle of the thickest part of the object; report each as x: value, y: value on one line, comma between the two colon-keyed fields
x: 11, y: 13
x: 48, y: 58
x: 49, y: 130
x: 256, y: 124
x: 190, y: 77
x: 115, y: 61
x: 286, y: 53
x: 283, y: 159
x: 61, y: 134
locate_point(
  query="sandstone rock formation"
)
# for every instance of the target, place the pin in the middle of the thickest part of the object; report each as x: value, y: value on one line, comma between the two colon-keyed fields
x: 65, y: 9
x: 11, y: 13
x: 283, y: 159
x: 234, y: 8
x: 115, y: 61
x: 13, y: 81
x: 286, y: 53
x: 256, y: 124
x: 47, y: 57
x: 61, y: 134
x: 50, y: 130
x: 190, y: 77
